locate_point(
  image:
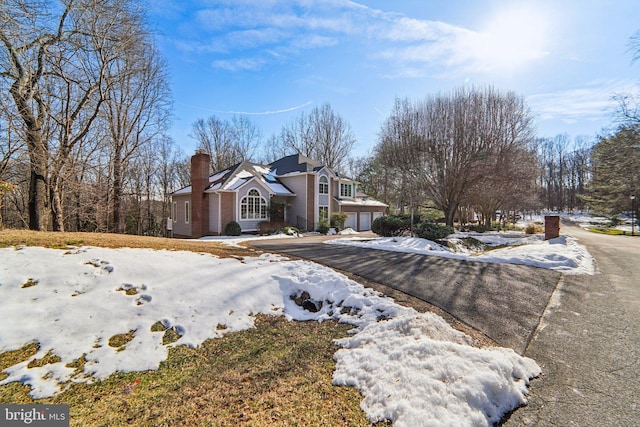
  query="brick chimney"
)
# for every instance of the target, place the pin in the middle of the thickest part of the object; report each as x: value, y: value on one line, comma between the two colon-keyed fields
x: 199, y: 200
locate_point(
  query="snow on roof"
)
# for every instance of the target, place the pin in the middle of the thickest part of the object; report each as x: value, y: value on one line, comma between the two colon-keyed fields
x: 238, y: 179
x: 219, y: 175
x: 185, y: 190
x: 278, y: 189
x: 263, y: 170
x: 361, y: 201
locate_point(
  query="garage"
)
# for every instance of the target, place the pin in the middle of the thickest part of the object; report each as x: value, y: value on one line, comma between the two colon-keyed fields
x: 351, y: 220
x: 365, y: 221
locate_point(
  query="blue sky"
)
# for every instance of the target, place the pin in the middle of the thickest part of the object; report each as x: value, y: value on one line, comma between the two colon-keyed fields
x: 274, y: 59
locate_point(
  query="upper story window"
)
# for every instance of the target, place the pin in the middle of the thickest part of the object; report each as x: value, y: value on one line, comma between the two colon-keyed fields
x: 253, y: 206
x: 323, y: 186
x: 346, y: 190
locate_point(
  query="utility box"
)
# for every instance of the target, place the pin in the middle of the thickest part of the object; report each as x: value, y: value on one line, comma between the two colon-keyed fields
x: 551, y: 227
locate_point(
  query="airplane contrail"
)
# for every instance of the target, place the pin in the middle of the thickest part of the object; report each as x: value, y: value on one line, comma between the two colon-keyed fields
x: 262, y: 113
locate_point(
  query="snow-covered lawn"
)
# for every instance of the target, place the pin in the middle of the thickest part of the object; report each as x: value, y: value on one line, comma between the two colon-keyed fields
x: 563, y: 253
x: 411, y: 368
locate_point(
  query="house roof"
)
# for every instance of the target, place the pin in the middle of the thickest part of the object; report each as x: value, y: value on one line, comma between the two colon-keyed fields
x: 239, y: 174
x: 295, y: 163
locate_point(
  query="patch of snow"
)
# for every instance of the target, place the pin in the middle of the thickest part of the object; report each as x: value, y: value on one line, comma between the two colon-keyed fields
x: 236, y: 240
x: 562, y: 254
x: 348, y: 231
x: 414, y: 370
x: 262, y: 170
x: 409, y: 366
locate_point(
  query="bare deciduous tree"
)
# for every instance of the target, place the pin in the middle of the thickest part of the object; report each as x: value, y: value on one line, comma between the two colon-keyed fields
x: 227, y: 142
x: 447, y: 143
x: 322, y: 135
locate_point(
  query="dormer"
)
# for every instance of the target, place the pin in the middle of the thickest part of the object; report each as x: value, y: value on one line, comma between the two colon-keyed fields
x: 346, y: 189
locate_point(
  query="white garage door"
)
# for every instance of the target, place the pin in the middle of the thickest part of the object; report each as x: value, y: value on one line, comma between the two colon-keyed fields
x: 377, y: 215
x: 351, y: 220
x: 365, y: 221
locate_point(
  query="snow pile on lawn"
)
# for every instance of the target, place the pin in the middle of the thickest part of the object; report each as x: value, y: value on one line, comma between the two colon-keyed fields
x: 409, y: 366
x: 416, y: 370
x: 563, y: 254
x: 236, y: 240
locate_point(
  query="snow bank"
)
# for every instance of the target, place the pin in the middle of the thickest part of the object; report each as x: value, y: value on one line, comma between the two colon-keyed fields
x: 409, y: 366
x: 562, y: 254
x: 415, y: 370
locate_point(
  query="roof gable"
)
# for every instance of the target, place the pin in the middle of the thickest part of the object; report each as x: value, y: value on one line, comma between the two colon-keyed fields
x: 238, y: 175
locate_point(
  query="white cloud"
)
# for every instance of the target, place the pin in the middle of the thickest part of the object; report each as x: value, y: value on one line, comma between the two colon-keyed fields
x: 248, y: 64
x: 590, y: 102
x: 511, y: 40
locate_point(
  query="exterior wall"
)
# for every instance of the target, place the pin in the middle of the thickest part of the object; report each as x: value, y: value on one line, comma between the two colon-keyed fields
x: 180, y: 228
x: 297, y: 211
x: 227, y: 209
x: 312, y: 213
x: 214, y: 214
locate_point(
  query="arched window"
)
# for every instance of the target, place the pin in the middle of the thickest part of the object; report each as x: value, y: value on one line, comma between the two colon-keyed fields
x: 323, y: 186
x: 253, y: 206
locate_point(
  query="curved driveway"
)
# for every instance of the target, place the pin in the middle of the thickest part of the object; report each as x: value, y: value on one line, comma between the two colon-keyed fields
x: 503, y: 301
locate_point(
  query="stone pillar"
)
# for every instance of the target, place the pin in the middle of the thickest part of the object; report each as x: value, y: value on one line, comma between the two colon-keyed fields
x: 199, y: 203
x: 551, y: 227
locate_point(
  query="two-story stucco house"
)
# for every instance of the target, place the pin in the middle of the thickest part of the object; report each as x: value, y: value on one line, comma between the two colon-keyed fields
x: 243, y: 193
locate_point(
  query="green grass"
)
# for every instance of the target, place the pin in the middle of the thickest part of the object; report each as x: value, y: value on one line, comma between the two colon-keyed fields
x: 608, y: 231
x: 278, y: 374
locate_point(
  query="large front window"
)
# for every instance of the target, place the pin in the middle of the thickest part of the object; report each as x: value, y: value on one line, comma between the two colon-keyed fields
x: 253, y: 206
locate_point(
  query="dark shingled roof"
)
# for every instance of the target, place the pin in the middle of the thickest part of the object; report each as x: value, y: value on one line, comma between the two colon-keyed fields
x: 294, y: 163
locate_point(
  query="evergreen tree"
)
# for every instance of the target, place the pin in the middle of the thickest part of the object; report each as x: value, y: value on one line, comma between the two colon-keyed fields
x: 616, y: 164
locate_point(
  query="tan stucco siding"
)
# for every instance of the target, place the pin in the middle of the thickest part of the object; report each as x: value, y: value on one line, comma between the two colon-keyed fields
x: 312, y: 215
x: 214, y: 214
x: 297, y: 211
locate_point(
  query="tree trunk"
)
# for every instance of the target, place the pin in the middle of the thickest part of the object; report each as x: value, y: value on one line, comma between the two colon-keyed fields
x: 450, y: 212
x: 57, y: 214
x: 37, y: 186
x: 117, y: 193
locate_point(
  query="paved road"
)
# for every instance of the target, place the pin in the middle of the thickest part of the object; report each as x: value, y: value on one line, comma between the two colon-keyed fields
x: 589, y: 343
x: 503, y: 301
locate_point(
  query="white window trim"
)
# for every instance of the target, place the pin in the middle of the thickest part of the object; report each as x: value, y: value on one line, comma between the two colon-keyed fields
x: 263, y: 202
x: 174, y: 211
x: 187, y: 212
x: 343, y: 193
x: 323, y: 185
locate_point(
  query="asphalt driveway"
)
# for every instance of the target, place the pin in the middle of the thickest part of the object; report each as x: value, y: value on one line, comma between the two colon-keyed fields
x: 504, y: 301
